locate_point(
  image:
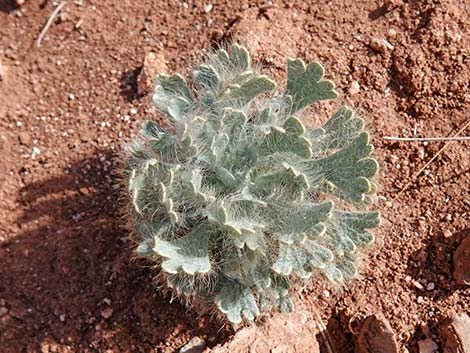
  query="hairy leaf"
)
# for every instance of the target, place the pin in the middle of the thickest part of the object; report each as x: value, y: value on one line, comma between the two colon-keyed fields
x: 305, y: 84
x: 237, y: 302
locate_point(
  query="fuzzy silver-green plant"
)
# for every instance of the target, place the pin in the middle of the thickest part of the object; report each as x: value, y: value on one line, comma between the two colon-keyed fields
x: 226, y: 200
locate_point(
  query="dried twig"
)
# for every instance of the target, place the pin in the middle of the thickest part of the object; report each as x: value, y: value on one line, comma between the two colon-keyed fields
x: 432, y: 159
x: 323, y: 331
x: 49, y: 22
x: 321, y: 326
x: 426, y: 139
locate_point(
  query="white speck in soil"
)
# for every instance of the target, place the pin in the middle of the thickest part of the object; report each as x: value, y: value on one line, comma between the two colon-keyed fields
x: 34, y: 152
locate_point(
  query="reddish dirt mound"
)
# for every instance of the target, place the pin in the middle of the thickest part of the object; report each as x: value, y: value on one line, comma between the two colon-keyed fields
x: 67, y: 283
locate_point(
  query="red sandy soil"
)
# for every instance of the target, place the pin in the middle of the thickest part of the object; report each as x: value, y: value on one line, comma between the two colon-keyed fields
x: 67, y: 281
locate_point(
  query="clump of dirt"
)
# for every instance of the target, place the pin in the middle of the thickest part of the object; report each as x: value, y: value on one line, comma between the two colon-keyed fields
x: 462, y: 263
x: 376, y: 336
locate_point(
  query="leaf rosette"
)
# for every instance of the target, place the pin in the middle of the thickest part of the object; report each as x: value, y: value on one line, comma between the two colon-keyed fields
x: 226, y: 200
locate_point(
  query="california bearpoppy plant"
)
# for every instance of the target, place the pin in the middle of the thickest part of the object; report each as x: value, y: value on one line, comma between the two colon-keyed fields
x: 226, y: 200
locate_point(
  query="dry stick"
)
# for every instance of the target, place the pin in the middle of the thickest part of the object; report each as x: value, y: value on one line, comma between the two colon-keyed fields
x: 426, y: 139
x: 49, y: 22
x: 432, y: 159
x: 323, y: 331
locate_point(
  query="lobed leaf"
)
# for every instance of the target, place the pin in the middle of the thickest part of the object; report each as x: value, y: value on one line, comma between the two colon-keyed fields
x: 188, y: 254
x: 347, y: 172
x: 172, y: 96
x: 305, y: 84
x: 237, y: 302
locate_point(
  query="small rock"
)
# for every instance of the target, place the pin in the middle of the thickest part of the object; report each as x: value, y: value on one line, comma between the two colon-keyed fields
x: 376, y: 336
x: 24, y: 138
x: 418, y: 285
x: 461, y: 263
x: 427, y: 346
x: 3, y: 311
x: 420, y: 153
x: 380, y: 45
x: 430, y: 286
x: 105, y: 300
x: 456, y: 335
x: 196, y: 345
x: 35, y: 152
x: 62, y: 17
x: 354, y: 88
x: 447, y: 233
x: 208, y: 8
x: 3, y: 71
x: 106, y: 313
x: 154, y: 64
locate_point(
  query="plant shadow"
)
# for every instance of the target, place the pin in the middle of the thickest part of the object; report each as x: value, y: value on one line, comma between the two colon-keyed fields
x: 68, y: 278
x: 336, y: 338
x: 128, y: 85
x: 8, y: 6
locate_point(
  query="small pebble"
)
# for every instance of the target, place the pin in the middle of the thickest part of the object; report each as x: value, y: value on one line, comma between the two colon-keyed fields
x: 107, y: 301
x: 106, y: 313
x: 380, y: 45
x: 35, y: 152
x: 208, y: 8
x: 133, y: 111
x: 24, y: 138
x: 447, y: 233
x: 420, y: 299
x: 354, y: 88
x: 420, y: 153
x: 430, y: 286
x: 418, y: 285
x: 3, y: 311
x: 3, y: 71
x: 196, y: 345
